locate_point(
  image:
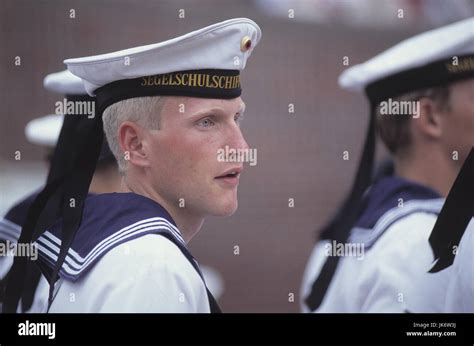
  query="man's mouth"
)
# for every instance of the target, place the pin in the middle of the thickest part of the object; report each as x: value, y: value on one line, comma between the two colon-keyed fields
x: 230, y: 177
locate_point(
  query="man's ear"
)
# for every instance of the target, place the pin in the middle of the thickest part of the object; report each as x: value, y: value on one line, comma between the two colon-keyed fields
x: 429, y: 121
x: 130, y: 138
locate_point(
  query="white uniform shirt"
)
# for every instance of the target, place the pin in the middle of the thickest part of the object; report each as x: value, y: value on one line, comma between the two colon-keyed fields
x: 159, y: 252
x: 10, y: 232
x: 122, y: 261
x: 460, y: 295
x: 392, y: 276
x: 179, y: 289
x: 392, y: 273
x: 147, y: 274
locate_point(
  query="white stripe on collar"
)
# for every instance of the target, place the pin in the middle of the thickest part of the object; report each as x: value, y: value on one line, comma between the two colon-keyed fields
x: 71, y: 267
x: 156, y: 221
x: 369, y: 236
x: 9, y: 229
x: 74, y: 264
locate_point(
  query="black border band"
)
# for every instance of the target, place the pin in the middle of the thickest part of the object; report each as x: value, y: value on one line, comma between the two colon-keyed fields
x: 79, y: 98
x: 430, y: 75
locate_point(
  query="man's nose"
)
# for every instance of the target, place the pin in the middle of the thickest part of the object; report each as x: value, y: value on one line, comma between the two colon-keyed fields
x: 237, y: 139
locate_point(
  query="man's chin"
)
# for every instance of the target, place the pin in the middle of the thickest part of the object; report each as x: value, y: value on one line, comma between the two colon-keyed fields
x: 225, y: 210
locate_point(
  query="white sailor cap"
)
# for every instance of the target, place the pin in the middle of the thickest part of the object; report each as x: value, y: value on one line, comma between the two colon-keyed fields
x: 45, y: 130
x: 64, y: 82
x: 203, y: 63
x: 429, y: 59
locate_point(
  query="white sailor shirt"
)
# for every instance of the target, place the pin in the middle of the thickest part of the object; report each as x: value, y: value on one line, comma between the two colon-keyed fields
x: 10, y: 230
x: 127, y: 256
x: 460, y: 294
x: 390, y: 274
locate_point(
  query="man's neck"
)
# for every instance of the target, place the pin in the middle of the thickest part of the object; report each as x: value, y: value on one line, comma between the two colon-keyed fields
x: 105, y: 181
x: 432, y: 169
x: 188, y: 224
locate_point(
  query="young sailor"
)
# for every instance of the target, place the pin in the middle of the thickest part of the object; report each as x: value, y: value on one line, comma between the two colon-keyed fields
x: 421, y: 95
x: 167, y: 110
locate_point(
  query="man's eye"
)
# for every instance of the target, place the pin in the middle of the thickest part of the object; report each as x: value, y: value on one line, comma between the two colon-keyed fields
x: 206, y: 123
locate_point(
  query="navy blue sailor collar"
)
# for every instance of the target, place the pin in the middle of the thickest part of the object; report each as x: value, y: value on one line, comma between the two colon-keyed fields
x: 108, y: 221
x: 390, y: 192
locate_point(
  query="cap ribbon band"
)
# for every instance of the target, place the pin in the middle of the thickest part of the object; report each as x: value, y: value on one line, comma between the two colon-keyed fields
x: 431, y: 75
x: 210, y: 83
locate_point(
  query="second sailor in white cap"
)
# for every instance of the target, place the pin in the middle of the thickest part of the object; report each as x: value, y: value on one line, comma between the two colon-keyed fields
x: 45, y: 132
x: 421, y: 93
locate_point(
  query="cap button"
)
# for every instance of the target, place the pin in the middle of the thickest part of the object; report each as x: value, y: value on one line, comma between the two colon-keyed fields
x: 245, y: 44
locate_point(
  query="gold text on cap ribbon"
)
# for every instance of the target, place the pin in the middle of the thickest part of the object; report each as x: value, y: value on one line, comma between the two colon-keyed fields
x: 192, y: 80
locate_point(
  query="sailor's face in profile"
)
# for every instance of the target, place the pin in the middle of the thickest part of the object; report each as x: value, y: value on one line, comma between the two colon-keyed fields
x: 185, y: 161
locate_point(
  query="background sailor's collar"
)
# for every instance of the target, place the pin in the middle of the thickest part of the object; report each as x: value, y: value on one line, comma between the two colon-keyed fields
x: 387, y: 193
